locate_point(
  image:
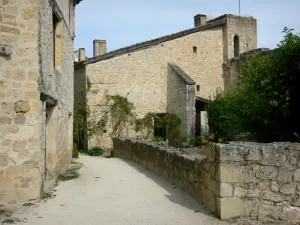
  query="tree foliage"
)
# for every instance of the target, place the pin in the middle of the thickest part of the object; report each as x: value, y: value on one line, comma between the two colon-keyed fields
x: 265, y: 103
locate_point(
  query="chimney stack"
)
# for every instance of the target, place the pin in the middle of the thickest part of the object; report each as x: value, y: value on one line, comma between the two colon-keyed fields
x: 99, y: 47
x: 200, y: 20
x: 81, y: 55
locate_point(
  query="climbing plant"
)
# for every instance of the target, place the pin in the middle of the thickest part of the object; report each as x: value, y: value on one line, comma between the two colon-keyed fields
x: 89, y: 84
x: 146, y: 124
x: 117, y: 116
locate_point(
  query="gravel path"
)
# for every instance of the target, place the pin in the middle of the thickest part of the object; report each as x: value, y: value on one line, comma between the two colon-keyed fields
x: 116, y: 192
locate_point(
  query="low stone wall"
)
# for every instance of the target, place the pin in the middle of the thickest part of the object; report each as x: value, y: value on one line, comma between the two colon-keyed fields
x: 263, y: 180
x: 258, y: 181
x: 191, y: 171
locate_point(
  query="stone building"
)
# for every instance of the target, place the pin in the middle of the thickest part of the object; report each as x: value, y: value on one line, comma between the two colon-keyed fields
x: 176, y: 73
x: 36, y: 95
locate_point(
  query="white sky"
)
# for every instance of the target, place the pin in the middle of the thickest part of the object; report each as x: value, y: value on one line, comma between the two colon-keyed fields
x: 126, y: 22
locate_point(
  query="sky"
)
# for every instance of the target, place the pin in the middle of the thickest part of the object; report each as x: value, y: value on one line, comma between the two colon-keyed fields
x: 126, y: 22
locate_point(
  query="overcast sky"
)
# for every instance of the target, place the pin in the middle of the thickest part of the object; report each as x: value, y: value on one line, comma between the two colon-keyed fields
x: 126, y: 22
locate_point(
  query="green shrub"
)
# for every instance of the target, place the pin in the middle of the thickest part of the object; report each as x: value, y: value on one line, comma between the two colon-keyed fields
x: 200, y: 141
x: 95, y: 151
x: 265, y: 103
x: 222, y: 117
x: 158, y: 139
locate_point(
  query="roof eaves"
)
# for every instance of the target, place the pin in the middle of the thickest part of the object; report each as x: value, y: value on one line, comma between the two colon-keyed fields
x: 156, y: 41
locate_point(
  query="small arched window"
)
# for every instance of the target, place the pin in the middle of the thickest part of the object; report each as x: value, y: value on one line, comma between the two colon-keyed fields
x: 236, y: 41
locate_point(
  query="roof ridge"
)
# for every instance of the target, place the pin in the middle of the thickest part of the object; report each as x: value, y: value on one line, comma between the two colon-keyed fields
x: 152, y: 42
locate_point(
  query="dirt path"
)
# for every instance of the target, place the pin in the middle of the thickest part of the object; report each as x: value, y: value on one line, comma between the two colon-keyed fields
x: 116, y: 192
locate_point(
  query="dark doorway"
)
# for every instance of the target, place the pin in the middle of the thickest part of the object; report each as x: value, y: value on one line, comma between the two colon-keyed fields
x: 160, y: 131
x: 200, y: 106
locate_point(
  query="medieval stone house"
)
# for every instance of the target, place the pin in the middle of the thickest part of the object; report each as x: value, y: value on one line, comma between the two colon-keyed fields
x: 36, y: 95
x: 177, y: 73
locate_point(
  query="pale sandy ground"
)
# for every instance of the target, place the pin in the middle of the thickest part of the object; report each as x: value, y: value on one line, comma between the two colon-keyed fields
x: 115, y: 192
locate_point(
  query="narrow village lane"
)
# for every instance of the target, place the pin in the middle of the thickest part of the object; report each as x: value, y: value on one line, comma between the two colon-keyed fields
x: 116, y: 192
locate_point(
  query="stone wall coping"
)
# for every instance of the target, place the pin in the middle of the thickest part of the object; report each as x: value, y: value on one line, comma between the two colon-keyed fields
x: 183, y: 75
x: 245, y: 55
x: 188, y: 153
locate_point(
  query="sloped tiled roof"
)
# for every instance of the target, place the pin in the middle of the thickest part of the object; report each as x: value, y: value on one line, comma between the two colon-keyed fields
x: 150, y: 43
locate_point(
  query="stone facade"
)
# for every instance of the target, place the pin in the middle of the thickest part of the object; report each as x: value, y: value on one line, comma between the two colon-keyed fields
x: 36, y: 99
x: 240, y: 179
x: 181, y: 101
x: 141, y: 70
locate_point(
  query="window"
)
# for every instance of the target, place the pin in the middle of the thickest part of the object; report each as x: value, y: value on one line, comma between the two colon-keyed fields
x: 195, y: 50
x: 236, y: 45
x: 198, y: 87
x: 57, y: 41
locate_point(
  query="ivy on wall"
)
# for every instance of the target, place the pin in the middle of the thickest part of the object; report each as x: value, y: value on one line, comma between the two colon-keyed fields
x: 117, y: 116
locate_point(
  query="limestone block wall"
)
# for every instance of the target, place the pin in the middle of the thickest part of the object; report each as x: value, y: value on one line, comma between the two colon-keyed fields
x: 80, y: 86
x: 240, y: 179
x: 245, y: 28
x: 260, y: 181
x: 193, y: 172
x: 143, y: 74
x: 27, y: 74
x: 57, y: 82
x: 21, y: 158
x: 181, y: 101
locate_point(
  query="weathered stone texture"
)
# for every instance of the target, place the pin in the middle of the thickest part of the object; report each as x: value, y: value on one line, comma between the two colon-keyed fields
x: 181, y: 101
x: 143, y: 74
x: 265, y: 173
x: 234, y: 188
x: 21, y: 121
x: 22, y: 106
x: 186, y: 169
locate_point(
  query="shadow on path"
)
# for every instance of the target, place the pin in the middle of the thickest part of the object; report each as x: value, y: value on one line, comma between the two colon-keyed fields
x: 176, y: 194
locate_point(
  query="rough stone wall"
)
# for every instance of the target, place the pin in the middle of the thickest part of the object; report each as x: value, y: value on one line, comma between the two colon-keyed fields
x: 193, y: 172
x: 181, y: 101
x: 21, y: 158
x: 245, y: 28
x: 143, y: 74
x: 260, y: 181
x: 26, y: 75
x: 80, y: 86
x: 58, y: 84
x: 240, y: 179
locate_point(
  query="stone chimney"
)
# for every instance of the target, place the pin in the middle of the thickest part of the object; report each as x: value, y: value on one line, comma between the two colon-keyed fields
x: 81, y: 55
x: 199, y: 20
x: 99, y: 47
